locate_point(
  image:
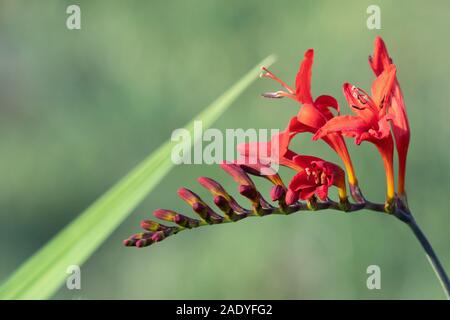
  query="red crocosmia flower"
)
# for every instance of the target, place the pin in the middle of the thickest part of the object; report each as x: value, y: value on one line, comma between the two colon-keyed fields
x: 326, y: 173
x: 379, y: 62
x: 371, y: 122
x: 313, y: 114
x: 315, y: 179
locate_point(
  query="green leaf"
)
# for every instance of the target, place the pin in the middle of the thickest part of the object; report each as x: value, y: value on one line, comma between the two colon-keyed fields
x: 43, y: 273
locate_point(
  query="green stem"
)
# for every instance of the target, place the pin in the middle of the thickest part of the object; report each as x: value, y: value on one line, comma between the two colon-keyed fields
x: 401, y: 212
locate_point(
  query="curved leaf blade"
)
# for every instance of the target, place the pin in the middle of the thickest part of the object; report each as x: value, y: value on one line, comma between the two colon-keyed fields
x: 43, y: 273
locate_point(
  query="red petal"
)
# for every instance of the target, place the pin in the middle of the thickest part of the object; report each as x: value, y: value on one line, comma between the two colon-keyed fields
x: 400, y: 125
x: 305, y: 194
x: 380, y: 59
x: 303, y: 78
x: 290, y: 155
x: 294, y: 127
x: 384, y: 128
x: 379, y: 62
x: 311, y: 117
x: 352, y: 126
x: 305, y: 161
x: 337, y: 176
x: 400, y: 128
x: 400, y: 119
x: 324, y: 102
x: 382, y: 86
x: 301, y: 181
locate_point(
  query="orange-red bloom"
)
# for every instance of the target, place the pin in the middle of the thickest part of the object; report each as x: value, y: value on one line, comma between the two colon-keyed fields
x: 371, y: 122
x: 314, y: 175
x: 379, y: 62
x: 313, y: 114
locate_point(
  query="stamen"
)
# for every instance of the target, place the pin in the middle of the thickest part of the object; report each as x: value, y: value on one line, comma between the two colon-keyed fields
x: 278, y: 95
x: 271, y: 95
x: 267, y: 74
x: 363, y: 98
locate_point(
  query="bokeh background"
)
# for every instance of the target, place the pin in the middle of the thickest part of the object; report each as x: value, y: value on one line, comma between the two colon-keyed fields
x: 80, y: 108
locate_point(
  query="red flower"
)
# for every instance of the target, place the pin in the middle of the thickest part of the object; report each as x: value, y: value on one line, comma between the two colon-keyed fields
x: 400, y: 126
x: 314, y: 175
x: 315, y: 179
x: 313, y: 114
x: 371, y: 122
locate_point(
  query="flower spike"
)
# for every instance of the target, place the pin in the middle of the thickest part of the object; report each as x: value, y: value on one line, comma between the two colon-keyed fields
x: 287, y: 198
x: 313, y: 114
x: 375, y: 114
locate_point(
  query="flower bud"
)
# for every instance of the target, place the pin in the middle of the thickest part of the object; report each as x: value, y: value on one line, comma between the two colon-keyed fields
x: 128, y: 242
x: 143, y: 239
x: 142, y: 243
x: 291, y: 197
x: 199, y: 206
x: 150, y: 225
x: 214, y: 187
x: 237, y: 173
x: 157, y: 236
x: 166, y: 215
x: 222, y: 199
x: 186, y: 222
x: 222, y: 203
x: 249, y: 192
x: 277, y: 193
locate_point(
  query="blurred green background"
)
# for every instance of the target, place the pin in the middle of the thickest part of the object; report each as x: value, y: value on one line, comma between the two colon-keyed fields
x: 80, y: 108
